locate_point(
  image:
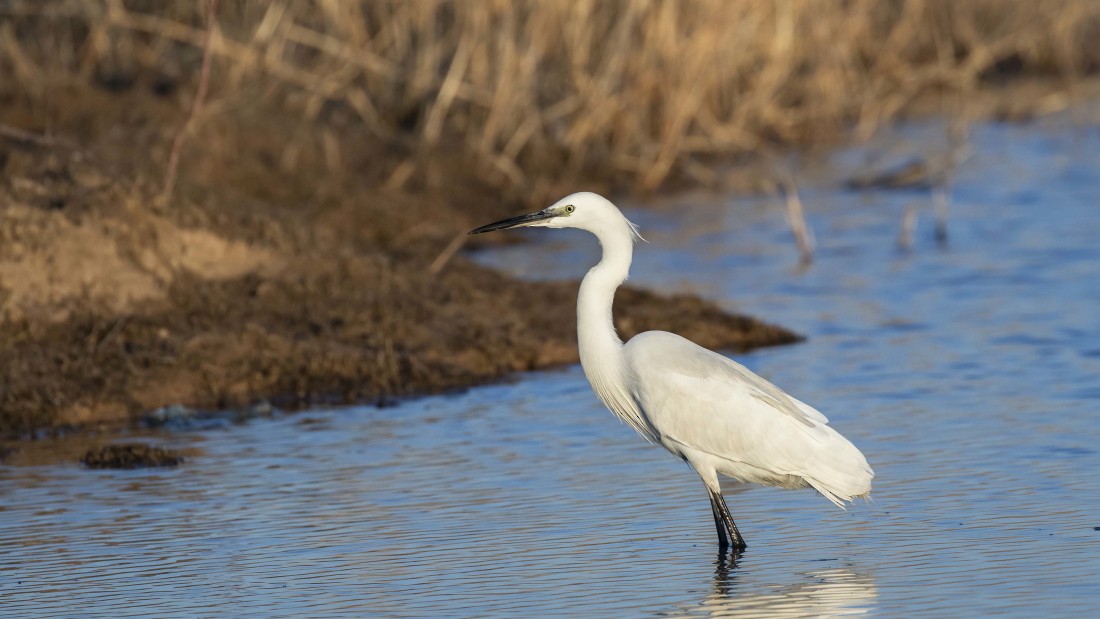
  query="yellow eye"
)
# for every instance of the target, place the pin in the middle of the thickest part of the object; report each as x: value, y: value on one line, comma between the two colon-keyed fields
x: 570, y: 209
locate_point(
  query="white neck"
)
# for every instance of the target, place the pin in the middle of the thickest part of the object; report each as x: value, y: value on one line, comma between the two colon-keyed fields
x: 601, y: 349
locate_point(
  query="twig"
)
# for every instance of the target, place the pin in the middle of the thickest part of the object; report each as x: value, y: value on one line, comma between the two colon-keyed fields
x: 796, y: 218
x: 196, y: 104
x: 908, y: 224
x: 940, y: 201
x: 113, y: 331
x: 26, y: 137
x: 448, y: 252
x: 941, y: 198
x: 401, y: 174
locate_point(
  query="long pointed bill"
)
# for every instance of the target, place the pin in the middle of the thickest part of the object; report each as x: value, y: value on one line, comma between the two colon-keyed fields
x: 515, y: 222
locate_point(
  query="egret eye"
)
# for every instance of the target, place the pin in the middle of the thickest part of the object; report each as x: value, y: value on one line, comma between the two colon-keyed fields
x: 569, y: 209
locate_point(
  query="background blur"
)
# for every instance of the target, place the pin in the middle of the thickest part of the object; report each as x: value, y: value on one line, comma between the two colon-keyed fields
x: 536, y: 93
x: 175, y: 171
x: 212, y: 213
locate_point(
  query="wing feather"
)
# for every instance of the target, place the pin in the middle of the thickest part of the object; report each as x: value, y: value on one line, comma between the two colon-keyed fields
x: 701, y: 400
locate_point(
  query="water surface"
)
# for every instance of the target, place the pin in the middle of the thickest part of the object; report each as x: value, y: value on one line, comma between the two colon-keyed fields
x: 969, y: 375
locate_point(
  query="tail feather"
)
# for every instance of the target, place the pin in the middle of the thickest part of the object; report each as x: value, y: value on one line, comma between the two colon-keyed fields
x: 836, y: 496
x: 839, y: 471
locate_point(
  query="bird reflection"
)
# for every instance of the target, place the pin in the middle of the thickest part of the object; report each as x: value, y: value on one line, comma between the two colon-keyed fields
x: 725, y: 571
x: 835, y: 592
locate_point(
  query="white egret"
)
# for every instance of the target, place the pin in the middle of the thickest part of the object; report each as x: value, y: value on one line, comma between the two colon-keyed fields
x: 706, y: 409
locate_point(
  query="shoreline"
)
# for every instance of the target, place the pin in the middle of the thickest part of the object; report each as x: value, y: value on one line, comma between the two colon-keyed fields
x: 259, y: 283
x: 115, y: 307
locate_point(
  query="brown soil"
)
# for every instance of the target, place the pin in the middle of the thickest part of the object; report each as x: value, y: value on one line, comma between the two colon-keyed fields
x: 258, y: 281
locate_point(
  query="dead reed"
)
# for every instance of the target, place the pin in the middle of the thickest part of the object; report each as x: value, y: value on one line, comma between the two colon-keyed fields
x: 196, y: 103
x: 543, y: 90
x: 796, y: 219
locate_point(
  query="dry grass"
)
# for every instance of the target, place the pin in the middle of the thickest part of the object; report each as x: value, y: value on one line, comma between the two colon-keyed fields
x: 545, y: 90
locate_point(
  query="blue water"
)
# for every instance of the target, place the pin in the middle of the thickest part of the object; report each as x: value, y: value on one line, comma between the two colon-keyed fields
x: 969, y: 374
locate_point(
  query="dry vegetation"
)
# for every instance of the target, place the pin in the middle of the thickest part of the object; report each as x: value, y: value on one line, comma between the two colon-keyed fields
x: 308, y: 251
x: 541, y: 91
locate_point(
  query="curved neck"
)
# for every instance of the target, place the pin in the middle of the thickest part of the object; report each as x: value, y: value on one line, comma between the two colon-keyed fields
x: 595, y: 328
x: 600, y: 347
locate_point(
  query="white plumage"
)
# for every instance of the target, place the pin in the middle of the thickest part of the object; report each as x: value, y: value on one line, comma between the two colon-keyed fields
x: 719, y: 416
x: 710, y: 411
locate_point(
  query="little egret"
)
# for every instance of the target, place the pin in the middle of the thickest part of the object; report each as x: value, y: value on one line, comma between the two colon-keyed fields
x: 708, y: 410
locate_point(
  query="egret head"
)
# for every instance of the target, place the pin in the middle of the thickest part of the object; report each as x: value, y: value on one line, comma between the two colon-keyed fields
x: 584, y: 210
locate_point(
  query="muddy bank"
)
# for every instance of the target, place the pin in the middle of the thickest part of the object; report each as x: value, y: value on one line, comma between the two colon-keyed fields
x: 251, y: 286
x: 309, y: 250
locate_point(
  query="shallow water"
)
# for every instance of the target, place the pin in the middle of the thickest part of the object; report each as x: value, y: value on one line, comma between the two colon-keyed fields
x: 969, y: 375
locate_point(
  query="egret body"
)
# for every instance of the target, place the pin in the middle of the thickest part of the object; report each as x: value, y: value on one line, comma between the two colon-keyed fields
x: 708, y: 410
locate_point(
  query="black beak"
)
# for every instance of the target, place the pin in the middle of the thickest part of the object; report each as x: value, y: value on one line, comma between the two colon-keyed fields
x: 514, y: 222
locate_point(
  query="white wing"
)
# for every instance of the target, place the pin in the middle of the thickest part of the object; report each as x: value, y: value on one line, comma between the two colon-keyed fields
x: 703, y: 403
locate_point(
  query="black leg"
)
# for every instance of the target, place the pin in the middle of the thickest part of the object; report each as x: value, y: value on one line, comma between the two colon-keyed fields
x: 723, y: 539
x: 722, y: 517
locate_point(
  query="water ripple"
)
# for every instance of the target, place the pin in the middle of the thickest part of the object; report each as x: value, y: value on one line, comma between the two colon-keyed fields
x: 967, y: 375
